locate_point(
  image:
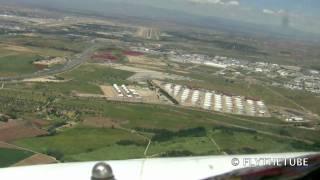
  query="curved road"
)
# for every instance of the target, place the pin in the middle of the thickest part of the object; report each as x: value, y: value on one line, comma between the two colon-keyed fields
x: 77, y: 60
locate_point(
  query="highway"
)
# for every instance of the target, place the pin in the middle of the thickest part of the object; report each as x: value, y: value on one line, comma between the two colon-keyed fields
x: 76, y: 61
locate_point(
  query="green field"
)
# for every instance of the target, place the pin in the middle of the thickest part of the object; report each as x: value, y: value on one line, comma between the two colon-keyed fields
x: 11, y: 156
x: 17, y: 64
x: 18, y: 53
x: 56, y: 42
x: 268, y: 135
x: 237, y: 141
x: 193, y: 145
x: 105, y: 144
x: 111, y: 152
x: 85, y: 79
x: 224, y: 133
x: 153, y: 116
x: 79, y: 140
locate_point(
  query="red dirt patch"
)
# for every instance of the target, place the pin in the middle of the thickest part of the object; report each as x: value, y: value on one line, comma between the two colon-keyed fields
x: 40, y: 66
x: 40, y: 123
x: 14, y: 130
x: 106, y: 56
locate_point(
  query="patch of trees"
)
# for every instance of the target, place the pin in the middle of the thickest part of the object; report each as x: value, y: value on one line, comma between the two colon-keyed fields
x: 232, y: 130
x: 54, y: 153
x: 243, y: 150
x: 34, y: 44
x: 229, y: 81
x: 248, y: 150
x: 64, y: 114
x: 177, y: 153
x: 284, y: 132
x: 52, y: 129
x: 161, y: 135
x: 4, y: 118
x: 130, y: 142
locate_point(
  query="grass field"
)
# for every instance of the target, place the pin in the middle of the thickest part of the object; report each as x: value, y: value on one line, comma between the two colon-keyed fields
x: 103, y: 144
x: 160, y: 116
x: 230, y: 132
x: 195, y: 145
x: 233, y: 141
x: 79, y: 140
x: 85, y: 79
x: 17, y: 64
x: 84, y: 144
x: 111, y: 152
x: 156, y: 116
x: 47, y: 42
x: 17, y: 53
x: 11, y: 156
x: 305, y: 99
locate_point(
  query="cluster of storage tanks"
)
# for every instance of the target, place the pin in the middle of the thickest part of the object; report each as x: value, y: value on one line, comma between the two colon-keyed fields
x: 185, y: 95
x: 239, y: 104
x: 211, y: 100
x: 124, y: 91
x: 251, y: 109
x: 218, y: 102
x: 207, y: 100
x: 195, y: 97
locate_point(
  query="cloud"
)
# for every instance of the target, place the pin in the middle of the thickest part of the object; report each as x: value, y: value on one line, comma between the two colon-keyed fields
x: 285, y: 16
x: 268, y: 11
x: 274, y: 12
x: 281, y: 11
x: 207, y: 1
x: 216, y: 2
x: 233, y: 3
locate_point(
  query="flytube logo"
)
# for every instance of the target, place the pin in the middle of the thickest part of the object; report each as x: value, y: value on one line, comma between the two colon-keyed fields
x: 269, y: 161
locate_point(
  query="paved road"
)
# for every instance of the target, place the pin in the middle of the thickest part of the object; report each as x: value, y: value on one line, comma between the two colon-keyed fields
x: 77, y: 60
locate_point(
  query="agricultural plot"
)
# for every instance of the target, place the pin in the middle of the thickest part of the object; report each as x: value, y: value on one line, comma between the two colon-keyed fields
x: 56, y: 43
x: 13, y: 130
x: 109, y: 55
x: 107, y: 144
x: 238, y: 141
x: 19, y: 60
x: 111, y: 152
x: 36, y: 159
x: 183, y: 146
x: 85, y: 79
x: 19, y: 64
x: 122, y: 144
x: 9, y: 157
x: 67, y: 143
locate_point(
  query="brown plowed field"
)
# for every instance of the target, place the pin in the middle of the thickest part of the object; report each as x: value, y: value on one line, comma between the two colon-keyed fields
x: 15, y: 129
x: 36, y: 159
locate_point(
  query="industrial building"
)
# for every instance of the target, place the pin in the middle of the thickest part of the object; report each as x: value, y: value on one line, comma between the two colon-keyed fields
x: 215, y: 101
x: 124, y: 91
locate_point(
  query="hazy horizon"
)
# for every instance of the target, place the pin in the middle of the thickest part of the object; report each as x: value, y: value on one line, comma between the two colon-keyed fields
x: 300, y: 15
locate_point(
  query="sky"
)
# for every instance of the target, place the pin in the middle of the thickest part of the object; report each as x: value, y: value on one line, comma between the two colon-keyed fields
x: 299, y: 14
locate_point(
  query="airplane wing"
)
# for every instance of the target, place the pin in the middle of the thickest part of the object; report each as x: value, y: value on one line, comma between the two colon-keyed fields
x: 185, y: 168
